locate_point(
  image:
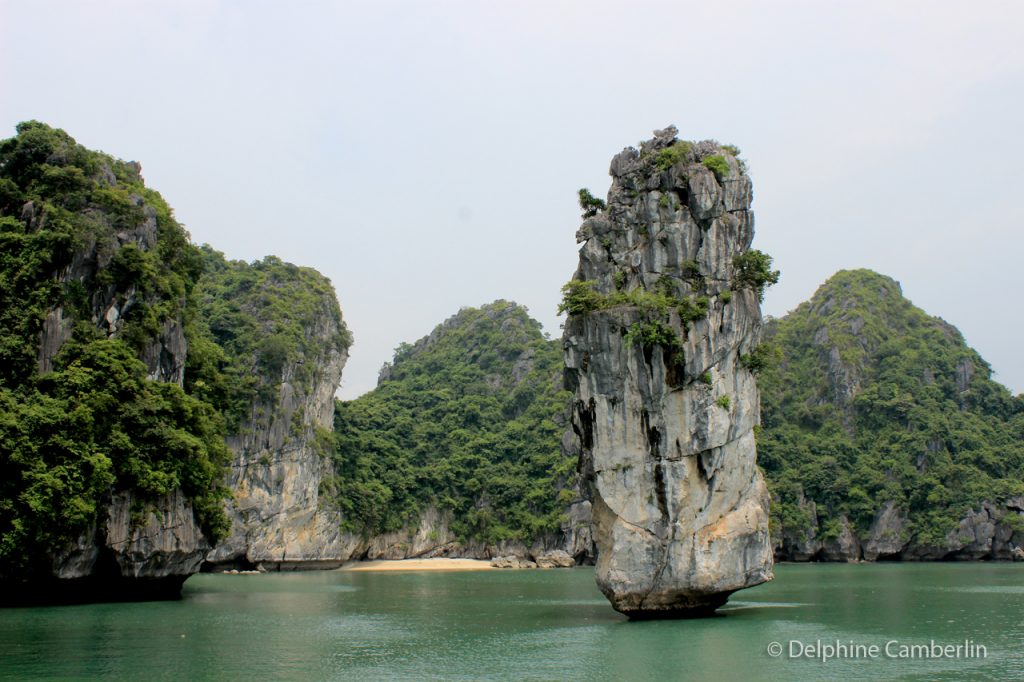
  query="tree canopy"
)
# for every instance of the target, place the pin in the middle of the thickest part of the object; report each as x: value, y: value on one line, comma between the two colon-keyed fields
x: 873, y: 400
x: 468, y: 419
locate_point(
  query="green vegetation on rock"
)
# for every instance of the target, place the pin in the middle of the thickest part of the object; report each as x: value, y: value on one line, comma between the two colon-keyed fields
x: 254, y: 320
x: 753, y: 270
x: 469, y: 420
x: 870, y: 401
x: 717, y: 164
x: 670, y: 156
x: 83, y: 241
x: 96, y: 424
x: 590, y: 204
x: 652, y: 333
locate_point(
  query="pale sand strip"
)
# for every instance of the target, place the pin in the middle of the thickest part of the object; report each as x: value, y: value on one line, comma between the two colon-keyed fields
x: 437, y: 564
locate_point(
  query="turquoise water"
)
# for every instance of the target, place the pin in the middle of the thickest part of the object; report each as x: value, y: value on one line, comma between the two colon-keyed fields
x: 543, y: 625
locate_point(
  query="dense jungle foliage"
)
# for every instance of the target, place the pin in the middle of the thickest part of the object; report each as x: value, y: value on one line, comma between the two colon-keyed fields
x: 256, y: 319
x: 872, y: 400
x: 79, y: 231
x: 468, y: 419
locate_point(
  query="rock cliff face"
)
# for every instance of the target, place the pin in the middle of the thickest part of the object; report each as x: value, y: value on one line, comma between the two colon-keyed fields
x: 124, y: 557
x: 109, y: 303
x: 158, y: 554
x: 992, y: 531
x: 664, y: 407
x: 93, y: 256
x: 278, y: 519
x: 281, y: 442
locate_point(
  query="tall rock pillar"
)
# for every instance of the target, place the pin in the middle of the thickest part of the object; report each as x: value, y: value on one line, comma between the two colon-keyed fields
x: 663, y: 321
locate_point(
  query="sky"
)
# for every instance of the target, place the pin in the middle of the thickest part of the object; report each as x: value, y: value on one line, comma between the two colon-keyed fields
x: 425, y: 156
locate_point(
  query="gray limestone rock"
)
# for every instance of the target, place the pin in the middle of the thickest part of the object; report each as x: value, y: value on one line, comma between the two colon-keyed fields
x: 279, y: 520
x: 557, y: 558
x: 166, y: 542
x: 512, y: 561
x: 888, y: 535
x: 665, y: 431
x: 803, y: 544
x: 137, y: 550
x: 990, y: 532
x: 843, y: 547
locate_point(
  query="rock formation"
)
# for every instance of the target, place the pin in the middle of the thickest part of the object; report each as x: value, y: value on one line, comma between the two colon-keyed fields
x: 282, y: 445
x: 497, y: 480
x: 123, y: 557
x: 885, y: 436
x: 655, y: 344
x: 106, y: 303
x: 136, y: 546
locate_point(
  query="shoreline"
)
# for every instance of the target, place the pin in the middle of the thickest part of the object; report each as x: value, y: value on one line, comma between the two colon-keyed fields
x: 434, y: 564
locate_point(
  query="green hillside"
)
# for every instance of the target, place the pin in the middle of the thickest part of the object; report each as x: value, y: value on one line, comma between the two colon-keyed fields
x: 469, y: 419
x: 253, y: 320
x: 872, y: 401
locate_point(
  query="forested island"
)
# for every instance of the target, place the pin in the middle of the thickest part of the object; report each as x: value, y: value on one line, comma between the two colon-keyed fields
x: 165, y: 409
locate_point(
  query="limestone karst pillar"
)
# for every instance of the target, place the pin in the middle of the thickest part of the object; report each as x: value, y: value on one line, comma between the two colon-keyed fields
x: 657, y: 350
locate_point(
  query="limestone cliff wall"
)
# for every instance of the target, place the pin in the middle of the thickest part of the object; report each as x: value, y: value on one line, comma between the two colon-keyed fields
x: 665, y: 428
x: 167, y: 543
x: 163, y: 542
x: 279, y: 519
x: 109, y: 304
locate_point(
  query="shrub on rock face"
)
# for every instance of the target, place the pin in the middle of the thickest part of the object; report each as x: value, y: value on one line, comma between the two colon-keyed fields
x: 717, y: 164
x: 670, y: 156
x: 579, y: 297
x: 753, y: 270
x: 590, y: 204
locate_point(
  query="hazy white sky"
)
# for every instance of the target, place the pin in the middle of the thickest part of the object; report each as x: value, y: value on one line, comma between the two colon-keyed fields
x: 425, y: 155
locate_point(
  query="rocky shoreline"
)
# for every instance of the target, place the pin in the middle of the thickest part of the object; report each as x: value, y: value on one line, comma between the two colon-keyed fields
x: 993, y: 532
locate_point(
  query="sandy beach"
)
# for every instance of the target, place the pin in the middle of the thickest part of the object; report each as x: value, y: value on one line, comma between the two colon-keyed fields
x: 437, y: 564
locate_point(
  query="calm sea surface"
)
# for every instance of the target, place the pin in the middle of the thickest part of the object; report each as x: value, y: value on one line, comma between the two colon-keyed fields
x: 543, y: 625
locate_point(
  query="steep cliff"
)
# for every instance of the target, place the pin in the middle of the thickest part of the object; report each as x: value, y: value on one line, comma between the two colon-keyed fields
x: 110, y: 470
x: 884, y: 435
x: 663, y: 314
x: 457, y: 451
x: 283, y: 344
